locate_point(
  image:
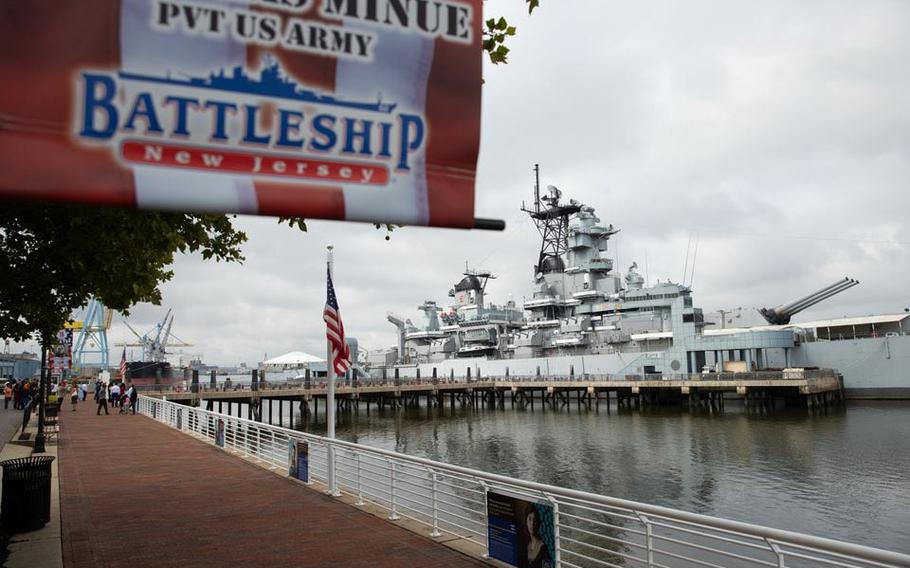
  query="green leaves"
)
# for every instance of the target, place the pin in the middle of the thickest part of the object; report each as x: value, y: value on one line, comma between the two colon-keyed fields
x: 496, y: 32
x: 495, y: 36
x: 292, y: 222
x: 388, y: 229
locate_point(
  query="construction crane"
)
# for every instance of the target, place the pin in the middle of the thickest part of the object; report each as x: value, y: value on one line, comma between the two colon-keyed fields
x: 92, y: 338
x: 154, y: 343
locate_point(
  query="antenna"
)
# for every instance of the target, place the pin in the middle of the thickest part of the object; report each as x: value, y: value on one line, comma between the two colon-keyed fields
x: 694, y: 258
x: 647, y: 277
x: 618, y: 265
x: 537, y: 187
x: 686, y: 265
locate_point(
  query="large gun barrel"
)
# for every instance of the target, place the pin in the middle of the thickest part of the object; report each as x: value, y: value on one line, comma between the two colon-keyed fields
x: 849, y: 283
x: 781, y: 315
x: 794, y: 305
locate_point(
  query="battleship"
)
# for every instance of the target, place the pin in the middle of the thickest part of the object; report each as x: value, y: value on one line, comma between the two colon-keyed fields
x: 272, y: 82
x: 585, y: 319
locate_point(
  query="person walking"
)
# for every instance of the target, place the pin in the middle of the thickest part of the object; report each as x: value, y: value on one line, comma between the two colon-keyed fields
x: 26, y: 395
x: 7, y: 394
x: 115, y: 395
x: 133, y: 396
x: 74, y: 395
x: 101, y: 397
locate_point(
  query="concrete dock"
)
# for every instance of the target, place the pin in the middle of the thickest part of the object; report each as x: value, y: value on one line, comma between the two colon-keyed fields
x: 136, y: 493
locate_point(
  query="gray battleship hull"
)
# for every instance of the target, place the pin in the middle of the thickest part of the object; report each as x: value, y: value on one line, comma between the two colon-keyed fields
x: 872, y: 367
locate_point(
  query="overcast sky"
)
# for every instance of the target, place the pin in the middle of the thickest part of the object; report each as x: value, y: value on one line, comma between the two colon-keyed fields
x: 776, y: 131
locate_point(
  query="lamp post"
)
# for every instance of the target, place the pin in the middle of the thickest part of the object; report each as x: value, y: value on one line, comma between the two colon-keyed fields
x: 42, y: 393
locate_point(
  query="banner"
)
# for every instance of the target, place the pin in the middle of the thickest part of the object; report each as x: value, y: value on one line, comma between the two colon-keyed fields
x: 363, y: 110
x: 299, y: 460
x: 520, y: 532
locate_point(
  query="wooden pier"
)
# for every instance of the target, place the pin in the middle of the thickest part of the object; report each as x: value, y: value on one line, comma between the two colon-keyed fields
x: 758, y: 390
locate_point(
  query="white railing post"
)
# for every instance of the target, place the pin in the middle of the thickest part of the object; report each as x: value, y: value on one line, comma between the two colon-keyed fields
x: 435, y: 532
x: 393, y: 514
x: 557, y: 560
x: 649, y: 539
x: 778, y: 552
x: 486, y: 518
x: 330, y: 470
x: 359, y: 501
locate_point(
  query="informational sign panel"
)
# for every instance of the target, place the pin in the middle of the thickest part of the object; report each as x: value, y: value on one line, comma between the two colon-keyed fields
x: 299, y: 460
x: 365, y: 110
x: 219, y: 433
x: 520, y: 532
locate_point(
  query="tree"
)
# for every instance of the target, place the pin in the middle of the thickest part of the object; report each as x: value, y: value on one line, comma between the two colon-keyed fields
x: 54, y: 257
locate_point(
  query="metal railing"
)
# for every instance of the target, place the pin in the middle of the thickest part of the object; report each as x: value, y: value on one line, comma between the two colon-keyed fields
x: 317, y: 384
x: 589, y: 530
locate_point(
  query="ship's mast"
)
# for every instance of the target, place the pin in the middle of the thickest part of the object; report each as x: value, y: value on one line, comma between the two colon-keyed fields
x: 552, y: 220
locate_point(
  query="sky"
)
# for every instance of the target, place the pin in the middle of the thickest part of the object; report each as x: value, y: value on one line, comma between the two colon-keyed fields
x: 775, y: 134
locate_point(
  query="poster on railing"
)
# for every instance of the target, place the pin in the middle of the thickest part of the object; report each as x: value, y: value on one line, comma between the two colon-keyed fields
x: 520, y: 531
x: 334, y: 109
x: 299, y: 460
x: 219, y: 434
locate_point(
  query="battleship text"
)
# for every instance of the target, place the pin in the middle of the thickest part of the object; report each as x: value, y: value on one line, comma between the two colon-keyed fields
x: 260, y: 28
x: 299, y: 122
x: 252, y: 163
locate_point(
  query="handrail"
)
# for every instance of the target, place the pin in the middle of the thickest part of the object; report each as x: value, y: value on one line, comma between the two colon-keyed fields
x: 652, y: 517
x: 553, y: 379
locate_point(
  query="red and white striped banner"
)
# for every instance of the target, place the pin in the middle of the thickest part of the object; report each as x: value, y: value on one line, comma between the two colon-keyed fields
x: 364, y: 110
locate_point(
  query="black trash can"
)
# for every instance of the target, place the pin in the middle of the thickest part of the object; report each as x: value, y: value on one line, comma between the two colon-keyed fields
x: 26, y: 504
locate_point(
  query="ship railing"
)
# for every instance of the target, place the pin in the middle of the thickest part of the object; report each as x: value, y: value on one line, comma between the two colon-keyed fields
x: 584, y: 529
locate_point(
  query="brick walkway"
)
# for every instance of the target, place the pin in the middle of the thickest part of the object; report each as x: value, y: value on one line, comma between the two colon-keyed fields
x: 137, y: 493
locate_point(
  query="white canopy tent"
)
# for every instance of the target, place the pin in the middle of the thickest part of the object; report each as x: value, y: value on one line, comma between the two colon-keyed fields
x: 292, y: 360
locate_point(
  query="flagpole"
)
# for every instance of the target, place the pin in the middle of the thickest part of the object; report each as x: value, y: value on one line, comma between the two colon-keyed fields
x: 330, y: 397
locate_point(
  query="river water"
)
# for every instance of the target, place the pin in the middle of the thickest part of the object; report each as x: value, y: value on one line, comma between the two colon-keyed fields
x: 843, y: 474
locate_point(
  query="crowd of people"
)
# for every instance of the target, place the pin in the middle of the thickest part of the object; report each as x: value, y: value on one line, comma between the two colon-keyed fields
x: 119, y: 395
x: 23, y: 394
x: 20, y: 392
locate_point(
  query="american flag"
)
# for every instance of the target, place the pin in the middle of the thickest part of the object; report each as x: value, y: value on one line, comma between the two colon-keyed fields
x: 334, y: 331
x: 123, y: 365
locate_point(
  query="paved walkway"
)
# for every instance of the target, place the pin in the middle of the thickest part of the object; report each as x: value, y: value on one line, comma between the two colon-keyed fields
x: 136, y: 493
x: 10, y: 422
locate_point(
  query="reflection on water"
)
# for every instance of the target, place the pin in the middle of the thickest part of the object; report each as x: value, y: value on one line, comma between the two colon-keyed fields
x: 844, y: 474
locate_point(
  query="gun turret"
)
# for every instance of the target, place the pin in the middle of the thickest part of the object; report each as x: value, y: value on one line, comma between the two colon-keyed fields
x: 781, y: 314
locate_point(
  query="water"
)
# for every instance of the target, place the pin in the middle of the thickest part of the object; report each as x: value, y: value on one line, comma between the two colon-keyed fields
x: 843, y: 475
